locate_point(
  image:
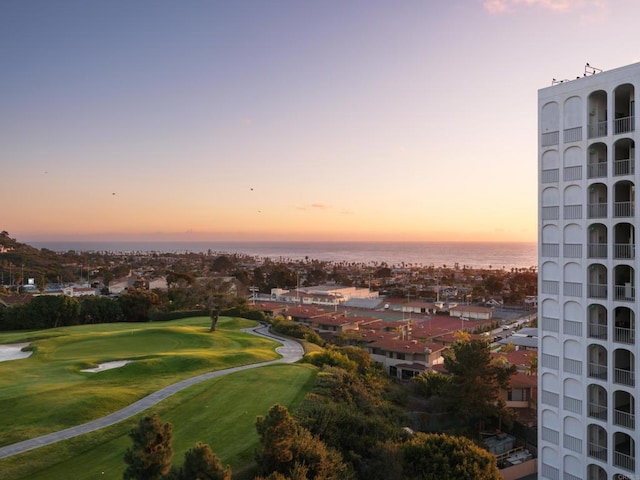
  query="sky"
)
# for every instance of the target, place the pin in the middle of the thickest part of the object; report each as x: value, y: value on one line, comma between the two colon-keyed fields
x: 286, y: 120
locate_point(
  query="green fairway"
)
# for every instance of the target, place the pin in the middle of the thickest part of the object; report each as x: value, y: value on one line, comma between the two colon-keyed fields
x: 221, y: 412
x: 48, y: 391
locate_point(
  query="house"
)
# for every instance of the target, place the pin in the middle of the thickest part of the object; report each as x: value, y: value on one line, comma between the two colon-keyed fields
x: 471, y: 312
x: 404, y: 359
x: 493, y: 302
x: 305, y: 315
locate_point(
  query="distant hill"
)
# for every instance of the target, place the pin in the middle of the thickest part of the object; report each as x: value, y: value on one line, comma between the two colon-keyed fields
x: 18, y: 259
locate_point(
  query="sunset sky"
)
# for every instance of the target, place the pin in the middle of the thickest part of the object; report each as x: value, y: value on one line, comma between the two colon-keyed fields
x: 286, y: 120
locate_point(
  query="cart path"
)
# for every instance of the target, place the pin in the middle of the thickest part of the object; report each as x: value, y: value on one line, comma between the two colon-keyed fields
x: 290, y: 350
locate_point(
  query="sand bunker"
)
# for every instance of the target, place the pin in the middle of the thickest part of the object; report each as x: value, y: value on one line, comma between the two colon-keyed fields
x: 107, y: 366
x: 13, y: 351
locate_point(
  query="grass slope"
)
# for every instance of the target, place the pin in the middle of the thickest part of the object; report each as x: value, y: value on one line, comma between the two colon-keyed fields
x: 221, y: 412
x: 48, y: 391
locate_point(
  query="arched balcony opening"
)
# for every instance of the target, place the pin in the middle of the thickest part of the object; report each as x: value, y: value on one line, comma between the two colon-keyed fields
x: 597, y: 160
x: 623, y: 199
x: 624, y: 367
x: 597, y: 278
x: 624, y: 241
x: 624, y: 325
x: 597, y: 318
x: 623, y: 157
x: 624, y: 451
x: 597, y: 362
x: 597, y: 441
x: 595, y: 472
x: 597, y: 396
x: 624, y: 106
x: 624, y: 409
x: 597, y: 111
x: 624, y: 290
x: 597, y: 206
x: 597, y: 245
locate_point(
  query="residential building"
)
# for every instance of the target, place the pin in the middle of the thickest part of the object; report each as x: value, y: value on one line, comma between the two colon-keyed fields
x: 587, y: 275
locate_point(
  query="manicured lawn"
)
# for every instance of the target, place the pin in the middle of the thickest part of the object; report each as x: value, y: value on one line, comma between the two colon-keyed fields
x: 48, y: 391
x: 221, y: 412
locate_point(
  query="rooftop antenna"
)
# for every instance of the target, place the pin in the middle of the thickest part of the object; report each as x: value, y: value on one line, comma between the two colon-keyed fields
x: 589, y: 70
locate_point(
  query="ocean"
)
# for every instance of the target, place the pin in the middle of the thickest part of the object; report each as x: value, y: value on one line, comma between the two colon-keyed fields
x: 474, y: 255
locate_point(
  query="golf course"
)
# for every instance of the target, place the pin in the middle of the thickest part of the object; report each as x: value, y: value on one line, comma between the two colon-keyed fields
x: 51, y: 390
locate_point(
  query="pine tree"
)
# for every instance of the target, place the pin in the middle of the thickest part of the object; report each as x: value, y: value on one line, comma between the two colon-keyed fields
x: 150, y: 456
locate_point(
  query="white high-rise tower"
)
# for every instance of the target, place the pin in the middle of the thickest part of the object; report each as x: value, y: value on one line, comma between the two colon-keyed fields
x: 588, y: 272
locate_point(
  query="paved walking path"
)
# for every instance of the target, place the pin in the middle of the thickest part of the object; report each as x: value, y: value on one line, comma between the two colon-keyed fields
x: 290, y: 350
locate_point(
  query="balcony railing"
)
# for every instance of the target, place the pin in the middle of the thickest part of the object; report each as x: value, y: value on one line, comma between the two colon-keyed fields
x: 572, y: 212
x: 552, y: 213
x: 597, y: 170
x: 624, y: 377
x: 572, y: 289
x: 572, y: 443
x: 572, y: 404
x: 572, y: 250
x: 597, y: 250
x: 597, y: 330
x: 552, y: 138
x: 597, y: 370
x: 572, y: 134
x: 572, y: 366
x: 550, y: 249
x: 623, y: 167
x: 550, y: 324
x: 572, y: 173
x: 624, y: 251
x: 626, y: 293
x: 597, y: 210
x: 597, y: 129
x: 625, y: 419
x: 597, y: 411
x: 598, y: 451
x: 624, y: 124
x: 550, y: 398
x: 625, y: 335
x: 551, y: 435
x: 597, y: 290
x: 551, y: 287
x: 624, y: 461
x: 551, y: 176
x: 623, y: 209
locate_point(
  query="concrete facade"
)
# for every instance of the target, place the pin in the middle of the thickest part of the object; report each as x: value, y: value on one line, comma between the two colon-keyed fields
x: 587, y: 277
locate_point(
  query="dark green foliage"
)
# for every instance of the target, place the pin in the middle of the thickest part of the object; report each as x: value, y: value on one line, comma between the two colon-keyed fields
x: 150, y: 456
x: 474, y: 391
x: 296, y: 330
x: 287, y: 448
x: 445, y: 457
x: 350, y: 413
x: 431, y: 383
x: 202, y: 464
x: 99, y: 310
x: 136, y: 305
x: 46, y: 311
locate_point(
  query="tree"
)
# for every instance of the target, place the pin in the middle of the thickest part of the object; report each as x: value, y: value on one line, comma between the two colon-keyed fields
x: 150, y: 456
x: 202, y: 464
x: 474, y: 390
x: 137, y: 304
x: 222, y: 295
x: 286, y: 446
x: 445, y: 457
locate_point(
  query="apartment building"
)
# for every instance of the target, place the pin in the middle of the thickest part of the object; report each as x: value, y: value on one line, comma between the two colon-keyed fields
x: 588, y: 268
